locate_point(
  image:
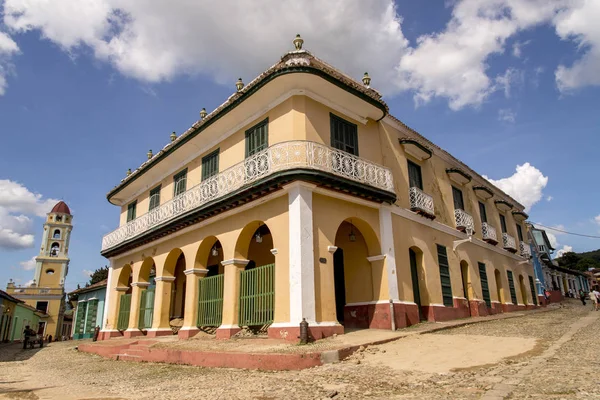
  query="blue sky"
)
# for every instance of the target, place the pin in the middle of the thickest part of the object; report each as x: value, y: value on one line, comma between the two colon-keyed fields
x: 85, y: 91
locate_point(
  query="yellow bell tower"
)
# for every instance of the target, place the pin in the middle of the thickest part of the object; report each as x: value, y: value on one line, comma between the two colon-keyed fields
x: 46, y: 292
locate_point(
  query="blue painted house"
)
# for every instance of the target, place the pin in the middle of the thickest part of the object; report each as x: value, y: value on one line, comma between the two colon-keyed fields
x: 89, y: 310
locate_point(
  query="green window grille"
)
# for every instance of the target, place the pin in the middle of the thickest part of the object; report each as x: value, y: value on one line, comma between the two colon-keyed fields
x: 210, y: 301
x: 154, y: 198
x: 80, y: 318
x: 131, y: 207
x: 415, y: 178
x: 457, y: 195
x: 511, y: 287
x: 533, y: 292
x: 146, y: 309
x: 344, y: 135
x: 179, y: 183
x: 445, y: 276
x: 124, y: 308
x: 257, y: 295
x: 257, y: 138
x: 210, y: 164
x: 503, y: 223
x: 90, y: 319
x: 482, y: 212
x: 485, y: 289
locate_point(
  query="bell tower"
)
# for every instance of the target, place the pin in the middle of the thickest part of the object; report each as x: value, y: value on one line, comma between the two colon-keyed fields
x: 52, y: 263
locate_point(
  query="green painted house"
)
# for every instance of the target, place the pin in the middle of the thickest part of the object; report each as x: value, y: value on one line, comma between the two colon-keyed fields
x: 89, y: 310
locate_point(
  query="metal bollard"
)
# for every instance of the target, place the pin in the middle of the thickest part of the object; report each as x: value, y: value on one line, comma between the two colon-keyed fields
x: 303, y: 331
x: 96, y: 333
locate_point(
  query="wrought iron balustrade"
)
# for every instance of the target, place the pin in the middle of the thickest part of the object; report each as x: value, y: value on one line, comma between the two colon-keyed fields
x: 421, y: 202
x: 277, y: 158
x: 508, y: 242
x: 488, y: 233
x: 525, y: 249
x: 464, y: 221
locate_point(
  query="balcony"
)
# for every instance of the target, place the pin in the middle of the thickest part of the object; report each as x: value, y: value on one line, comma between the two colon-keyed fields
x: 281, y: 157
x: 488, y: 233
x: 525, y: 250
x: 464, y: 221
x: 421, y: 203
x: 508, y: 243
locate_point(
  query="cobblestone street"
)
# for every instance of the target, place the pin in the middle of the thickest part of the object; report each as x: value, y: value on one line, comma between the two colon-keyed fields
x: 552, y: 355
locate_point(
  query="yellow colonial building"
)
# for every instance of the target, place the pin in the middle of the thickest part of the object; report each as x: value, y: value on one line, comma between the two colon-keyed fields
x: 46, y: 292
x: 301, y: 197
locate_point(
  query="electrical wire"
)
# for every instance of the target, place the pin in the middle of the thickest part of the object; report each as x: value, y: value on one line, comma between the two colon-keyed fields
x: 568, y: 233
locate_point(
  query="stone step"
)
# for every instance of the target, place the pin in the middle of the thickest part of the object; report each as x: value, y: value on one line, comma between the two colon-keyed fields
x: 127, y: 357
x: 134, y: 352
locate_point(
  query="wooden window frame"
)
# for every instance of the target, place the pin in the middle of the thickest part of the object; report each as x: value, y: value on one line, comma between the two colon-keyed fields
x: 342, y: 144
x: 503, y: 225
x: 485, y: 286
x: 520, y: 233
x: 456, y: 191
x: 416, y: 167
x: 207, y: 170
x: 155, y: 191
x: 482, y: 212
x: 176, y: 178
x: 445, y: 278
x: 131, y: 215
x: 251, y: 150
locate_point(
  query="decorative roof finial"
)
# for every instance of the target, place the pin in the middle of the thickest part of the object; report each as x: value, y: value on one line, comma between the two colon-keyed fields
x: 366, y: 79
x: 298, y: 41
x: 239, y: 84
x: 203, y: 111
x: 128, y: 171
x: 173, y: 136
x: 149, y: 154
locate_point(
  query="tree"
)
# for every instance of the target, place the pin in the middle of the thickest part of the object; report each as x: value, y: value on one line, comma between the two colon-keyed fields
x: 569, y: 260
x: 99, y: 275
x: 586, y: 263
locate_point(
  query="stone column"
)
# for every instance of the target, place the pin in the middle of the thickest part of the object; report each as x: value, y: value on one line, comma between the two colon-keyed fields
x: 162, y: 305
x: 109, y: 298
x: 192, y: 286
x: 231, y: 297
x: 134, y: 311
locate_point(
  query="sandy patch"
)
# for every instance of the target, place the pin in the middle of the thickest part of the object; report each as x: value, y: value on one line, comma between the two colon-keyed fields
x: 443, y: 353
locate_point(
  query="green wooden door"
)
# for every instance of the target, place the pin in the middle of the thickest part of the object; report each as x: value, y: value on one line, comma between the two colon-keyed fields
x: 124, y: 308
x: 90, y: 319
x: 533, y: 292
x: 511, y: 287
x: 445, y: 276
x: 414, y: 273
x: 80, y: 318
x: 485, y: 289
x: 257, y: 295
x: 210, y: 301
x: 146, y: 309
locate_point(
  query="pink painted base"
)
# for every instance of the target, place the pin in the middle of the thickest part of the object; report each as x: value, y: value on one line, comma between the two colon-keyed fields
x: 496, y: 309
x: 166, y: 332
x: 478, y: 308
x: 292, y: 333
x: 509, y: 308
x: 132, y: 334
x: 556, y: 296
x: 187, y: 333
x: 105, y: 335
x: 226, y: 333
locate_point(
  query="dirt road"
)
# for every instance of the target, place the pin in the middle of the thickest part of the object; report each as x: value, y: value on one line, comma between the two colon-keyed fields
x: 550, y: 355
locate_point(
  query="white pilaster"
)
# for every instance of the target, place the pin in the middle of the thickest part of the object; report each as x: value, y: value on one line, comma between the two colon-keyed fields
x: 107, y: 298
x: 302, y: 254
x: 386, y: 232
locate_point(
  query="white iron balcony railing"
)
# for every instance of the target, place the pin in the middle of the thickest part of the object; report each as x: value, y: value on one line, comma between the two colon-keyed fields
x: 464, y: 221
x: 279, y: 157
x: 421, y: 202
x: 488, y: 233
x: 525, y: 249
x: 508, y: 242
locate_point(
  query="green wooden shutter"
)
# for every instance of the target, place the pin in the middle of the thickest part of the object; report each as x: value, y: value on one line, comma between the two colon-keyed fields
x: 90, y: 321
x: 511, y: 287
x: 80, y: 318
x: 210, y: 164
x: 458, y: 199
x: 131, y: 211
x: 482, y: 212
x: 344, y: 135
x: 445, y: 276
x: 179, y: 183
x: 485, y: 289
x: 154, y: 198
x: 533, y: 292
x: 503, y: 223
x: 414, y: 175
x: 257, y: 138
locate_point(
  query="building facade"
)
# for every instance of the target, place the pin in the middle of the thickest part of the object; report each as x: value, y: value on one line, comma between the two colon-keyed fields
x: 89, y: 310
x: 301, y: 197
x: 47, y: 293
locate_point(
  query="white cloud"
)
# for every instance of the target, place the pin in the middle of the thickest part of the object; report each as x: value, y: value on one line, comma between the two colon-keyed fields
x: 549, y: 198
x: 518, y: 48
x: 17, y: 206
x: 87, y: 272
x: 563, y: 250
x: 580, y: 24
x: 525, y: 185
x: 507, y: 115
x: 511, y: 77
x: 29, y: 264
x: 8, y: 48
x: 597, y: 219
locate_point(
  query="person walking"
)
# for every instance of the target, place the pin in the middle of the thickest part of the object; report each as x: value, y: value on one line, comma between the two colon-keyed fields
x: 597, y: 294
x: 582, y: 296
x: 594, y: 300
x: 28, y: 333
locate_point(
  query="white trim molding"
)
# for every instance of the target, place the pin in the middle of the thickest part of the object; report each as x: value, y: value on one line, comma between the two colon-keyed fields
x: 376, y: 258
x: 164, y: 279
x: 140, y: 284
x: 332, y: 249
x: 274, y: 251
x: 196, y: 271
x: 122, y: 288
x: 236, y: 261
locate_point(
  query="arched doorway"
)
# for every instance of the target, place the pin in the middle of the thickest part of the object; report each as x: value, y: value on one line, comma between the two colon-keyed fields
x: 466, y: 282
x: 499, y: 286
x: 257, y: 281
x: 146, y: 275
x: 178, y: 287
x: 523, y: 289
x: 416, y: 272
x: 210, y: 297
x: 353, y: 279
x: 124, y: 280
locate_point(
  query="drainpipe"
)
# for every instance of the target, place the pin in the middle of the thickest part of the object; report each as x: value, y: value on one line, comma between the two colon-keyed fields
x: 392, y: 315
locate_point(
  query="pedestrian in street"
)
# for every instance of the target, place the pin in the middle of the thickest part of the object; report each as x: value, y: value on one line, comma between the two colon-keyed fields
x: 28, y: 333
x: 597, y: 294
x: 582, y: 296
x: 594, y: 300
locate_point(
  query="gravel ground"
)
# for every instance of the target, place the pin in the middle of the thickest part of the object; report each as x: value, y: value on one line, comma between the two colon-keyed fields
x: 60, y: 372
